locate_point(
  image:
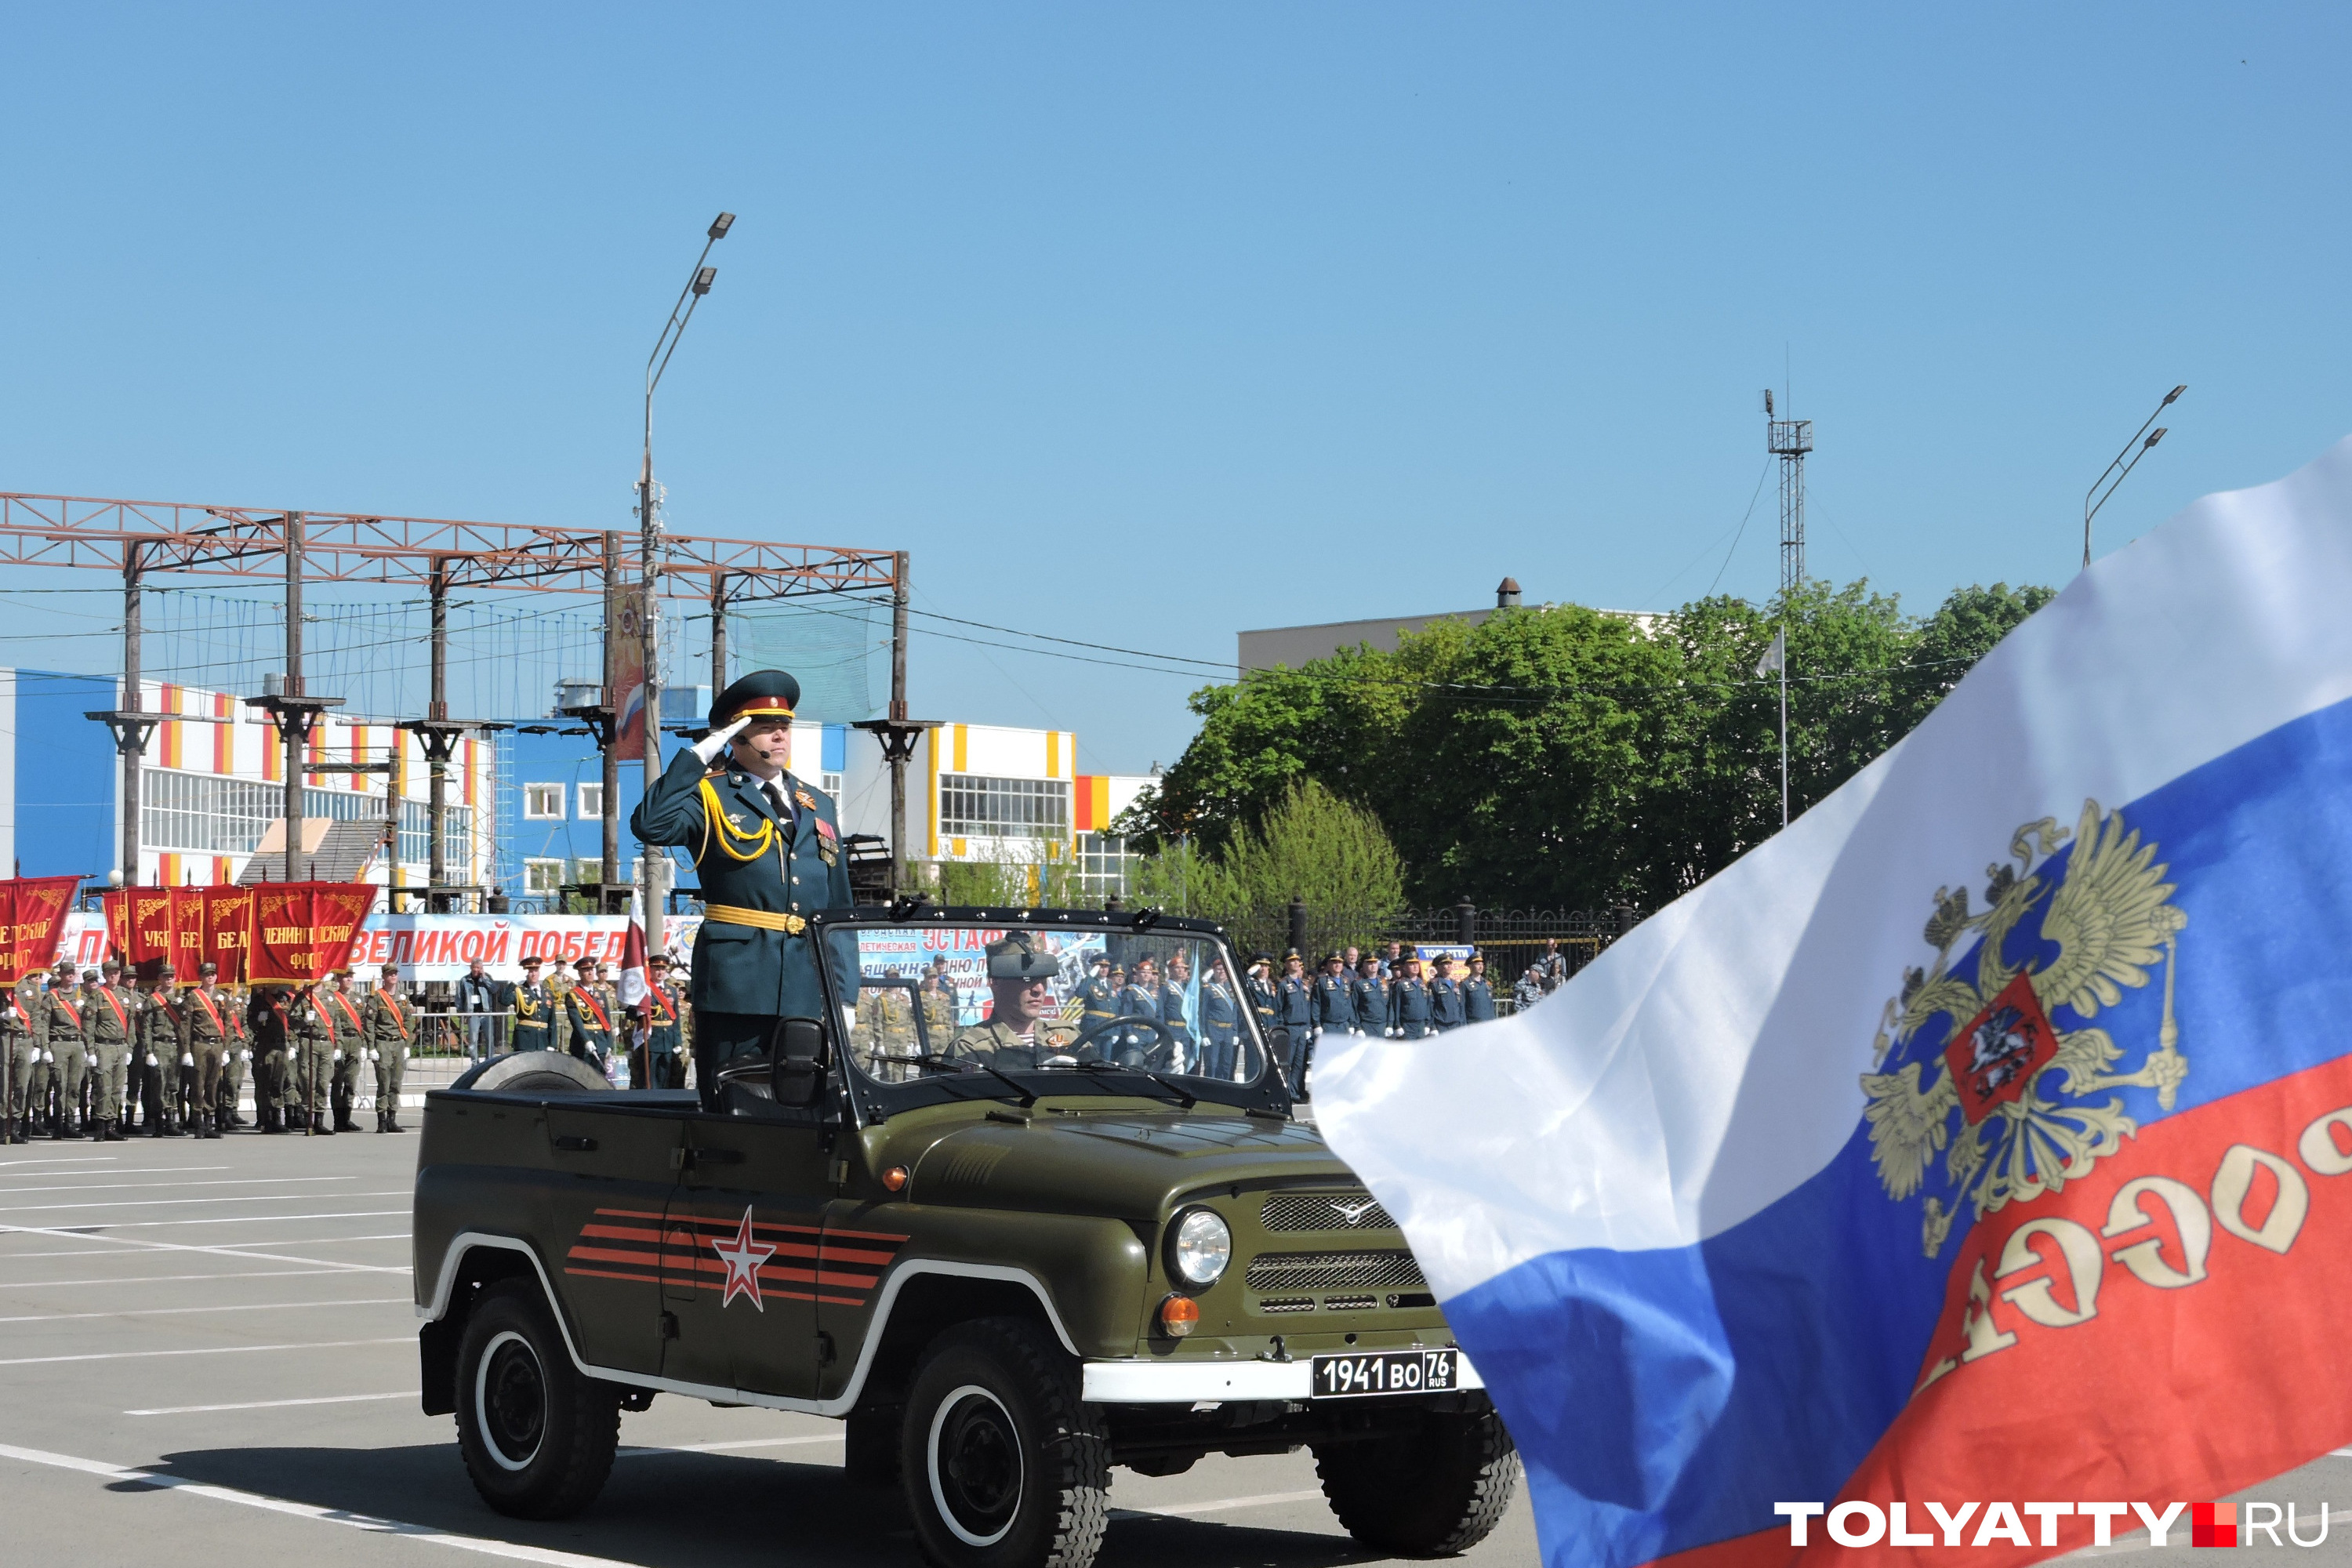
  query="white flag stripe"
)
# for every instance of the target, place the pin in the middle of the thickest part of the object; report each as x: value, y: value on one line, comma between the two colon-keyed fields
x: 1707, y: 1063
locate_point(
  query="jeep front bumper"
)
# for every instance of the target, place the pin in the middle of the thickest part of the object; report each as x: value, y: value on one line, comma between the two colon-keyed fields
x: 1176, y: 1382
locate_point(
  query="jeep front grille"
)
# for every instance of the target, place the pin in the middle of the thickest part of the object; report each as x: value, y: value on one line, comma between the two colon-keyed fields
x: 1291, y: 1212
x: 1296, y: 1271
x: 1287, y: 1304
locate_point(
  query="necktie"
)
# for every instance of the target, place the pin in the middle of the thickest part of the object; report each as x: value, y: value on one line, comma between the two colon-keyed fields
x: 776, y: 798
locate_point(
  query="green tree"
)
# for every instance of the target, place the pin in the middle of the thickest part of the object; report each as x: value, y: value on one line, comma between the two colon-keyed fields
x: 1311, y: 844
x: 1563, y: 757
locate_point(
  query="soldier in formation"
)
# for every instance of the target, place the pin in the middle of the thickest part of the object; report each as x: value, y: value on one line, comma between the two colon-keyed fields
x: 388, y: 1022
x: 346, y: 1053
x: 270, y: 1029
x: 1445, y: 997
x: 1477, y: 996
x: 660, y: 1022
x: 590, y: 1004
x: 1221, y: 1023
x: 886, y: 1028
x: 109, y: 1013
x: 1409, y: 1011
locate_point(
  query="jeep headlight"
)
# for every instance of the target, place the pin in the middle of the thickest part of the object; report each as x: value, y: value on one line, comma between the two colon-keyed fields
x: 1202, y: 1246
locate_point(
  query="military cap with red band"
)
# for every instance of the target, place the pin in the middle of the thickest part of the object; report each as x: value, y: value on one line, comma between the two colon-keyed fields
x: 762, y: 694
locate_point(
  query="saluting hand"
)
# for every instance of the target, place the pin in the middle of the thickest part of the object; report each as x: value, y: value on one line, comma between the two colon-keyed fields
x: 710, y: 745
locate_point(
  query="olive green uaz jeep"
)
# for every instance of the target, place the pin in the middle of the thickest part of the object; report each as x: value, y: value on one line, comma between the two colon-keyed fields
x: 1028, y: 1203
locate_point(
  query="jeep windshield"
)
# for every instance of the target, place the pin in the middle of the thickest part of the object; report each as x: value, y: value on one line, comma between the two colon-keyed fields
x: 969, y: 1004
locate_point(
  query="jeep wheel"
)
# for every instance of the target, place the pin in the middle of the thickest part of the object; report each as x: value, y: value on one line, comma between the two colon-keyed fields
x: 1003, y: 1465
x: 537, y: 1437
x: 1430, y: 1493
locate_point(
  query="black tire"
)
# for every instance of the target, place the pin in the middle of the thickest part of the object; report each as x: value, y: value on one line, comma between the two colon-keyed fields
x: 534, y: 1072
x: 537, y: 1437
x: 1002, y: 1464
x: 1432, y: 1492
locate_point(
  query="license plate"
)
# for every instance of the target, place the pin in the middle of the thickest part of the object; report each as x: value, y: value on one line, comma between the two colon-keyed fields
x: 1384, y: 1372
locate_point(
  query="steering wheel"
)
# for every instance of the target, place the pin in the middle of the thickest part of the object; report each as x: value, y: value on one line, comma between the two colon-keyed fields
x: 1166, y: 1036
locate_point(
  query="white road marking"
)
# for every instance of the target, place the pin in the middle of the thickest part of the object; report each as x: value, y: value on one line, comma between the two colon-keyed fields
x: 215, y: 1251
x: 224, y: 1251
x: 250, y: 1218
x: 179, y: 1311
x: 730, y: 1447
x: 1182, y: 1510
x: 146, y: 1278
x: 224, y: 1182
x: 170, y: 1203
x: 71, y: 1159
x: 374, y: 1526
x: 272, y: 1403
x: 208, y: 1350
x: 126, y: 1170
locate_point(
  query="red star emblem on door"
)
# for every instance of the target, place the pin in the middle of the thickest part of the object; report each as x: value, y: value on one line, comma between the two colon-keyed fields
x: 742, y: 1256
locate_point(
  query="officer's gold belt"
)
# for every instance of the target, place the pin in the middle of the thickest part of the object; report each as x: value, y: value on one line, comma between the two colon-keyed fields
x: 734, y: 915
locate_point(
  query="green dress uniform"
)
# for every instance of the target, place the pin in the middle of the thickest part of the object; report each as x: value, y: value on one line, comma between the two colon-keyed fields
x: 20, y: 1045
x: 239, y: 1061
x: 345, y: 1054
x: 203, y: 1019
x: 769, y: 855
x: 588, y: 1012
x: 389, y: 1022
x: 155, y: 1053
x: 40, y: 1073
x: 318, y: 1039
x: 109, y: 1015
x: 266, y: 1021
x: 534, y: 1020
x: 68, y: 1050
x: 663, y: 1018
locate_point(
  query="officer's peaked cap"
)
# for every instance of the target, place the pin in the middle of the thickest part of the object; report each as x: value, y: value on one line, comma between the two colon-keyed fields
x: 1021, y: 956
x: 763, y: 694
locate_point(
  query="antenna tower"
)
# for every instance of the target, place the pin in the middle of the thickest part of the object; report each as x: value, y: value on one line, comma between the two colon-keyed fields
x: 1789, y: 440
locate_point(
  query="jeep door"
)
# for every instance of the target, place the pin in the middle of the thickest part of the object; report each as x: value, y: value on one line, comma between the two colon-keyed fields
x: 611, y: 1171
x: 739, y: 1254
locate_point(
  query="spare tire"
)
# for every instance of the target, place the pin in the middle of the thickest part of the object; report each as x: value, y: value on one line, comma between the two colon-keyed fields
x: 534, y: 1072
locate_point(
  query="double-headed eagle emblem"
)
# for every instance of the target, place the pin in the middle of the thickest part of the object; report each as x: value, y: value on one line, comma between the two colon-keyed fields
x: 2019, y: 1083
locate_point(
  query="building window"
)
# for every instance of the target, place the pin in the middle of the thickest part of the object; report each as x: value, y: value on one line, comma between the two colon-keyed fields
x: 542, y: 803
x: 972, y: 807
x: 205, y: 813
x: 831, y: 785
x: 1104, y: 864
x: 542, y: 877
x: 591, y: 802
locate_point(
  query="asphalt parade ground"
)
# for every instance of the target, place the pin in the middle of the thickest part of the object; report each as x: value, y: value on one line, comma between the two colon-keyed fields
x: 208, y: 1356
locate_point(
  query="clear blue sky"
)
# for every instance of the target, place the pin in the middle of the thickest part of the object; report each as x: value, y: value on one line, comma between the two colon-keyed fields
x: 1144, y: 325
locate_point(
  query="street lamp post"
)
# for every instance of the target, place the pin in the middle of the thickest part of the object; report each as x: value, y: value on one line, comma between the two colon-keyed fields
x: 2091, y: 506
x: 653, y: 869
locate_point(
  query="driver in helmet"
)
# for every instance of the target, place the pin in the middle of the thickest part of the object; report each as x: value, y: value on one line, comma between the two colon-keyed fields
x: 1024, y: 1027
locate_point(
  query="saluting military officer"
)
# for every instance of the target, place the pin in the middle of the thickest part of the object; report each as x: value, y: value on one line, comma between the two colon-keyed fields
x: 109, y: 1013
x: 389, y: 1022
x: 533, y: 1010
x: 767, y: 849
x: 346, y: 1053
x: 1258, y: 986
x: 1408, y: 1003
x: 68, y: 1047
x: 1477, y: 995
x: 588, y: 1008
x: 1445, y: 996
x: 1024, y: 1027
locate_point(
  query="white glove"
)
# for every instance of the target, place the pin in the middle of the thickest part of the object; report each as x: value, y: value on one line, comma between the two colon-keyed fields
x: 244, y: 1056
x: 89, y: 1059
x: 48, y: 1056
x: 187, y: 1058
x: 710, y: 745
x: 151, y: 1059
x: 339, y: 1055
x: 404, y: 1053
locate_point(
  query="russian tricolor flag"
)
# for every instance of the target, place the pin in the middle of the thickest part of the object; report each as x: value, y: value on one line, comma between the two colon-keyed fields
x: 1986, y: 1135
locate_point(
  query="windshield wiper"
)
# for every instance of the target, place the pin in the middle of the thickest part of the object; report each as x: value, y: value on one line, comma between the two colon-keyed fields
x: 1184, y: 1097
x: 963, y: 1067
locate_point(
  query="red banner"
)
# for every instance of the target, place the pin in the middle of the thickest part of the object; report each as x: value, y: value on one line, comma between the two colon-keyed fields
x: 187, y: 948
x: 117, y: 903
x: 36, y: 908
x: 303, y: 931
x: 228, y: 930
x: 151, y: 930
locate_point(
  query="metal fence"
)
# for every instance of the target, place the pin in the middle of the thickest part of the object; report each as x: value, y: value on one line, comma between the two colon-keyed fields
x: 1514, y: 939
